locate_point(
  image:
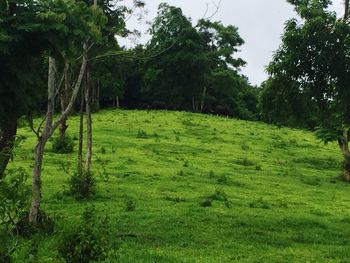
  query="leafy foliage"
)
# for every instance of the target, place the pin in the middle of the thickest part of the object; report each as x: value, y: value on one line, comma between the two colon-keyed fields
x: 82, y: 185
x: 87, y: 241
x: 63, y: 145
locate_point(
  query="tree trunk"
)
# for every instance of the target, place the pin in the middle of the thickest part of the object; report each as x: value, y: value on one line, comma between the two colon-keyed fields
x: 39, y: 149
x: 48, y: 131
x: 36, y: 182
x: 347, y: 168
x: 7, y: 138
x: 64, y: 96
x: 117, y: 101
x: 81, y: 132
x: 346, y: 11
x: 88, y: 123
x: 203, y: 98
x: 344, y: 147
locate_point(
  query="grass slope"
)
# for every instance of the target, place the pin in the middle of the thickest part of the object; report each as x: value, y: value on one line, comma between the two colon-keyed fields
x: 205, y: 189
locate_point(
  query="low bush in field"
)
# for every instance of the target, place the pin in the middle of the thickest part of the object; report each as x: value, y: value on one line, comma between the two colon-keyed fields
x: 87, y: 241
x: 82, y: 185
x: 63, y: 145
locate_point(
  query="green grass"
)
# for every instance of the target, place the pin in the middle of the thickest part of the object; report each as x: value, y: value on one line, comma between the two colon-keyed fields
x: 204, y: 189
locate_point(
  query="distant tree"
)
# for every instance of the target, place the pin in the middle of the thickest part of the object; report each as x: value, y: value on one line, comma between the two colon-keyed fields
x: 315, y: 57
x: 173, y: 79
x: 197, y: 68
x: 281, y: 102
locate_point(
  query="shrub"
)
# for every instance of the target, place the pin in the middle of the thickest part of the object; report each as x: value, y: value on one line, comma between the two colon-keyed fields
x: 63, y: 145
x: 129, y: 205
x: 87, y: 241
x: 82, y: 185
x: 6, y: 247
x: 207, y: 202
x: 45, y: 224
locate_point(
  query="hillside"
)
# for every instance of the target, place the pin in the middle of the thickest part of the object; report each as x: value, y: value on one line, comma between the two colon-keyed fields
x: 202, y: 189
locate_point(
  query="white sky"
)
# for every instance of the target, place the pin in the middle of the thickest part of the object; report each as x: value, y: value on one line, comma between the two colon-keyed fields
x: 260, y: 24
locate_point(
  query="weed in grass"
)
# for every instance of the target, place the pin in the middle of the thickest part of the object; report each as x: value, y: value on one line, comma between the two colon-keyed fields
x: 82, y: 185
x: 102, y: 150
x: 114, y: 150
x: 207, y: 202
x: 186, y: 163
x: 104, y: 175
x: 223, y: 179
x: 181, y: 173
x: 258, y: 167
x: 260, y: 203
x: 245, y: 162
x: 211, y: 174
x: 174, y: 199
x: 311, y: 181
x: 245, y: 146
x: 130, y: 205
x: 141, y: 134
x: 64, y: 166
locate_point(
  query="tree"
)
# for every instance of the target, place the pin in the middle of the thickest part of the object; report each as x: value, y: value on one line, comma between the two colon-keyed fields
x: 315, y: 56
x: 59, y: 19
x: 21, y: 86
x: 173, y: 79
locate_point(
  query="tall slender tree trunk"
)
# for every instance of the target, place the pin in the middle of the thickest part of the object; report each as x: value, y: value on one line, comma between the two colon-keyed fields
x: 88, y: 122
x: 344, y: 147
x: 204, y: 93
x: 7, y: 138
x: 39, y: 149
x: 64, y: 97
x: 117, y: 102
x: 48, y: 131
x: 346, y: 11
x: 81, y: 132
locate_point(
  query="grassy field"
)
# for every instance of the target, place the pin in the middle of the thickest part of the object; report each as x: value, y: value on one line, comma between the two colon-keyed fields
x: 201, y: 189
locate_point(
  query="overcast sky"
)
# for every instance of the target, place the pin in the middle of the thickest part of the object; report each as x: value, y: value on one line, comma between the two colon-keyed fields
x: 260, y: 24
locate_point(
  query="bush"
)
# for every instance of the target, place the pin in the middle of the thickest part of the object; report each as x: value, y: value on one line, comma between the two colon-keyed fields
x: 45, y: 224
x: 6, y: 247
x: 82, y: 185
x: 87, y: 241
x: 63, y: 145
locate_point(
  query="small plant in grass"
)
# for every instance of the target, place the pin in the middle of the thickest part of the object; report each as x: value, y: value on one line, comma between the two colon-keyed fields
x: 103, y: 150
x: 219, y: 195
x: 207, y: 202
x: 129, y: 205
x: 211, y: 174
x: 181, y: 173
x: 141, y: 134
x: 260, y: 203
x: 82, y: 185
x: 245, y: 146
x: 63, y: 145
x: 245, y: 162
x: 186, y: 163
x: 87, y: 241
x: 223, y: 179
x: 114, y: 150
